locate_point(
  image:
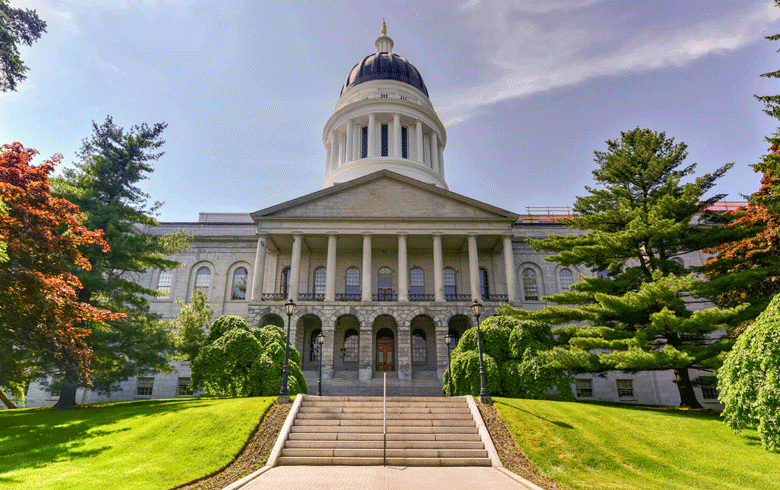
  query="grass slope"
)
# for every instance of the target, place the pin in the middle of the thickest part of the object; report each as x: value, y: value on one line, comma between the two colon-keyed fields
x: 154, y: 444
x: 599, y: 446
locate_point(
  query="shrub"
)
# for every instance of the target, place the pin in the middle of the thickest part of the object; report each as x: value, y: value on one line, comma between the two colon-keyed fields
x: 749, y: 380
x: 495, y: 338
x: 238, y: 360
x: 465, y: 374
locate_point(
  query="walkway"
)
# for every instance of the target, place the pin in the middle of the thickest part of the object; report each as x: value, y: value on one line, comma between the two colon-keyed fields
x: 384, y: 478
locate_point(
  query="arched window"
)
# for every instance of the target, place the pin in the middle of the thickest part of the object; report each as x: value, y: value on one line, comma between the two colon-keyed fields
x: 351, y: 345
x: 416, y: 284
x: 530, y: 286
x: 202, y: 279
x: 164, y: 283
x: 284, y: 287
x: 566, y: 278
x: 239, y: 284
x: 385, y: 284
x: 314, y: 351
x: 449, y: 284
x: 352, y: 289
x: 483, y: 284
x: 319, y: 281
x: 455, y: 338
x: 419, y: 347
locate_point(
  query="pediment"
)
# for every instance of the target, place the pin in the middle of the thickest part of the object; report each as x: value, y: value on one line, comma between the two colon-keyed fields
x: 385, y: 195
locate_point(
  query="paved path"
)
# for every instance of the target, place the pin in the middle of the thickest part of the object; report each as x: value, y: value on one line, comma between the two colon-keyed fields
x: 383, y: 478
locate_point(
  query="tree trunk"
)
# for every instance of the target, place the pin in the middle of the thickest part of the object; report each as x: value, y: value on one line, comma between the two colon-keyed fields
x: 685, y: 387
x: 70, y: 384
x: 5, y: 400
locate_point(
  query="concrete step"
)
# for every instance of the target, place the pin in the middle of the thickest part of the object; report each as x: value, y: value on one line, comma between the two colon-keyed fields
x: 401, y: 429
x: 390, y: 453
x: 377, y: 444
x: 373, y: 461
x: 381, y: 416
x: 377, y: 436
x: 358, y: 410
x: 390, y: 422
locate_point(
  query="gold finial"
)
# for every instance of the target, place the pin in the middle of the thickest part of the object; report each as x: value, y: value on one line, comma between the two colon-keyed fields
x: 384, y: 28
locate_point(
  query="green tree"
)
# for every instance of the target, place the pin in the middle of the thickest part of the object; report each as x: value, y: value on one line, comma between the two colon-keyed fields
x: 104, y: 184
x: 237, y: 360
x: 634, y: 225
x: 191, y: 326
x: 17, y: 26
x: 749, y: 380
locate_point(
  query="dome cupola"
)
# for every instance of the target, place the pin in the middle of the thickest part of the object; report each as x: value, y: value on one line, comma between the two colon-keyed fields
x: 384, y: 120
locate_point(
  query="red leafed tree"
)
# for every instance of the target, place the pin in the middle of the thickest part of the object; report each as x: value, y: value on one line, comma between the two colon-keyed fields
x: 41, y: 319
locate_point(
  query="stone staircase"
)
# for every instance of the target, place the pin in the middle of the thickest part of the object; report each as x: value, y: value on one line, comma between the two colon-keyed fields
x: 421, y: 431
x: 346, y: 383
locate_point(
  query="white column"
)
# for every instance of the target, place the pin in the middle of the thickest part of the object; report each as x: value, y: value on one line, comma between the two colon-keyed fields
x: 474, y: 269
x: 350, y: 144
x: 329, y: 156
x: 366, y: 282
x: 371, y: 138
x: 334, y: 150
x: 435, y: 152
x: 342, y: 149
x: 295, y: 266
x: 396, y: 136
x: 420, y: 152
x: 259, y: 270
x: 441, y: 162
x: 330, y: 271
x: 403, y: 269
x: 509, y: 268
x: 438, y: 269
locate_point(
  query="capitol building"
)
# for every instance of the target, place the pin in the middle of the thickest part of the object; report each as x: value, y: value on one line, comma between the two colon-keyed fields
x: 384, y: 259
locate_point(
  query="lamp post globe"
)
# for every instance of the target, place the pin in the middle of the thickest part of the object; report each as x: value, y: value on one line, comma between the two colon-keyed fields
x: 284, y: 394
x: 320, y: 342
x: 484, y: 397
x: 448, y: 341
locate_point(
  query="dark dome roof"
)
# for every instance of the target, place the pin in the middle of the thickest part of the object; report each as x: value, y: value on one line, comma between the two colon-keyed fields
x: 385, y: 66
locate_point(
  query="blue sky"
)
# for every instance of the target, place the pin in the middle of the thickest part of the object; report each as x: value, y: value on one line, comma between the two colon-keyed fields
x: 528, y: 89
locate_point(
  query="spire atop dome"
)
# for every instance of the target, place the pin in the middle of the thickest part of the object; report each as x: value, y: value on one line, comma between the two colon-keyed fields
x: 383, y: 43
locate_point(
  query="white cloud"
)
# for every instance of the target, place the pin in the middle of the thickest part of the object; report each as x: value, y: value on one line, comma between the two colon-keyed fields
x: 530, y: 57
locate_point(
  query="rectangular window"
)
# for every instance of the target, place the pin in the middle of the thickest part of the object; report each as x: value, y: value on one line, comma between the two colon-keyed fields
x: 384, y: 140
x: 584, y: 388
x: 145, y: 386
x: 185, y: 387
x: 364, y: 142
x: 625, y: 388
x: 709, y: 388
x: 164, y: 283
x: 404, y: 142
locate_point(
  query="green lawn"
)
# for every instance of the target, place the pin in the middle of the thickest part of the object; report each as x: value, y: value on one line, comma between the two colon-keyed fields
x: 600, y: 446
x: 154, y: 444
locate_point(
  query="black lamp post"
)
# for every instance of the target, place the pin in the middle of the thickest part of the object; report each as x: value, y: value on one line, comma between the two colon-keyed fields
x: 284, y: 394
x: 484, y: 397
x: 448, y: 340
x: 320, y: 341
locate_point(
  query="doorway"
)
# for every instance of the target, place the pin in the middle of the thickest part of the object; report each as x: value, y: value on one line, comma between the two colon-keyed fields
x: 385, y: 350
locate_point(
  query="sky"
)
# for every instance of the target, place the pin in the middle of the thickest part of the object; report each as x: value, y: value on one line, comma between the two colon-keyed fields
x: 527, y: 89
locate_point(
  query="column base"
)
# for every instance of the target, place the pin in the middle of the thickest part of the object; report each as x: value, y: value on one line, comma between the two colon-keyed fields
x: 485, y: 400
x: 365, y: 374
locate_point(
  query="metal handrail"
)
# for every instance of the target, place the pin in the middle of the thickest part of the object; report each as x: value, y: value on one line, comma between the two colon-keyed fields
x: 384, y: 419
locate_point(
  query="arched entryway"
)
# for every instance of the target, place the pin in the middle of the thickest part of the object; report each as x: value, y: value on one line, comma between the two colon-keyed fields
x: 385, y: 330
x: 346, y: 354
x: 308, y: 327
x: 272, y: 319
x: 457, y: 325
x: 423, y: 339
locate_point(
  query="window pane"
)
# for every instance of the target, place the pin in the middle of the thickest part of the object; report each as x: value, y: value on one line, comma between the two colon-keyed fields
x: 449, y: 282
x: 530, y: 286
x: 285, y: 287
x: 202, y: 279
x: 566, y: 278
x: 314, y: 346
x: 239, y: 284
x: 364, y: 142
x: 185, y: 387
x: 145, y: 386
x: 404, y: 142
x: 164, y: 283
x: 417, y: 277
x: 384, y: 140
x: 352, y: 289
x: 419, y: 347
x: 351, y: 345
x: 584, y: 388
x: 483, y: 283
x: 625, y: 388
x: 319, y: 280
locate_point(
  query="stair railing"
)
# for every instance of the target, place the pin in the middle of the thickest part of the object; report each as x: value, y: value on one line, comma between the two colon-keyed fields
x: 384, y: 419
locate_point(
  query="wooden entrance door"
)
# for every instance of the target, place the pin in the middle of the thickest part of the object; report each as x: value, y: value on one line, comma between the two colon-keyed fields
x: 385, y: 350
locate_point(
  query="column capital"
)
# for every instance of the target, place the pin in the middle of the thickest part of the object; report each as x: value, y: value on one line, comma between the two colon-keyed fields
x: 331, y: 233
x: 261, y: 233
x: 367, y: 233
x: 437, y: 233
x: 401, y: 233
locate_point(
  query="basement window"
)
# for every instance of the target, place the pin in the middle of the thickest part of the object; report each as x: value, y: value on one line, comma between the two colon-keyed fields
x: 584, y: 388
x: 625, y: 388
